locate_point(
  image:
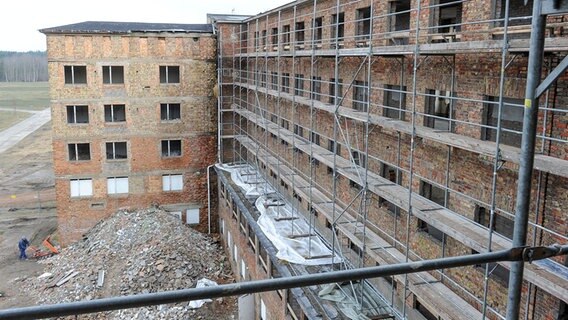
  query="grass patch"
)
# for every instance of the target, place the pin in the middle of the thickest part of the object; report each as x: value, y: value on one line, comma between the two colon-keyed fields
x: 10, y: 118
x: 24, y: 95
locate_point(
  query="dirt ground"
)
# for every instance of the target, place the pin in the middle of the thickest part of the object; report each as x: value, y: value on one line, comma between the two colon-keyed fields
x: 26, y: 171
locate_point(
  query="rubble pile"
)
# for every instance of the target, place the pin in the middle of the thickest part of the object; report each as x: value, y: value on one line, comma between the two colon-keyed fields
x: 136, y: 252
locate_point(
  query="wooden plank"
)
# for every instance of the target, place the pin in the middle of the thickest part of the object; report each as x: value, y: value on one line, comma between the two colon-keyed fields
x: 541, y: 162
x: 449, y: 222
x: 455, y: 308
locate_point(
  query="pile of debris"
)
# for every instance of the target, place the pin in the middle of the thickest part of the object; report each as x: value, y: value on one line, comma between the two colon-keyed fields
x: 136, y: 252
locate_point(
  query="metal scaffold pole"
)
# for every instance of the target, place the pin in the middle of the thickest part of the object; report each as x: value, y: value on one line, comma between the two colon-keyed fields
x: 527, y: 157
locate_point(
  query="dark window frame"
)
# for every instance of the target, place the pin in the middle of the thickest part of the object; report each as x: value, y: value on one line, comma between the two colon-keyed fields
x: 74, y: 153
x: 390, y: 110
x: 113, y: 112
x: 360, y: 95
x: 170, y: 74
x: 170, y: 112
x: 113, y: 153
x: 113, y: 75
x: 72, y: 112
x: 432, y: 116
x: 171, y: 148
x: 511, y: 107
x: 74, y: 75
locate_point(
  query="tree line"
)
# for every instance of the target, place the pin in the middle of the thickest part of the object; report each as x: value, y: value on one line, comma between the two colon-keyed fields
x: 28, y: 66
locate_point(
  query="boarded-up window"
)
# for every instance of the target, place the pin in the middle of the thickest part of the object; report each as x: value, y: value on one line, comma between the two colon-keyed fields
x: 117, y: 185
x: 172, y: 182
x: 81, y: 187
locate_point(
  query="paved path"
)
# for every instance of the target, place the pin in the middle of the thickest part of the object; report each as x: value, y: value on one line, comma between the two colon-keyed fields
x: 17, y: 110
x: 17, y: 132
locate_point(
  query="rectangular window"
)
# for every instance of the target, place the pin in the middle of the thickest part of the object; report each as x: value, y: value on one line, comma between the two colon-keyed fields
x: 256, y: 40
x: 337, y: 28
x: 79, y: 151
x: 332, y: 93
x: 286, y: 82
x: 171, y: 148
x: 447, y: 16
x: 433, y: 193
x: 300, y: 35
x: 432, y: 231
x: 115, y: 113
x: 285, y: 124
x: 394, y: 102
x: 315, y: 91
x: 286, y: 37
x: 359, y: 158
x: 363, y: 30
x: 169, y: 74
x: 172, y: 182
x: 360, y: 95
x: 274, y: 80
x: 298, y: 84
x: 77, y: 114
x: 275, y: 38
x: 501, y: 224
x: 436, y: 195
x: 511, y: 120
x: 399, y: 20
x: 318, y: 29
x: 116, y: 185
x: 75, y: 74
x: 263, y: 38
x: 299, y: 130
x: 116, y: 150
x: 391, y: 174
x: 81, y: 187
x: 438, y: 105
x: 331, y: 145
x: 315, y: 138
x: 170, y: 111
x: 113, y: 74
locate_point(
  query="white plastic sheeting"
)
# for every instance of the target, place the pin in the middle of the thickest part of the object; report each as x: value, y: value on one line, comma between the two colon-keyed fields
x: 288, y: 231
x: 202, y: 283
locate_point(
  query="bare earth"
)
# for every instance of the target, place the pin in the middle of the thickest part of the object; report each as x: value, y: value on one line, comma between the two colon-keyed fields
x: 26, y: 170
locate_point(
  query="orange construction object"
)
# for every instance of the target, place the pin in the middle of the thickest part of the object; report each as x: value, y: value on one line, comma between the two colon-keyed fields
x: 48, y: 245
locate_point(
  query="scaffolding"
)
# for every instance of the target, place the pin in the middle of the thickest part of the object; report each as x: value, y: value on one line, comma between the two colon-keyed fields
x: 392, y: 201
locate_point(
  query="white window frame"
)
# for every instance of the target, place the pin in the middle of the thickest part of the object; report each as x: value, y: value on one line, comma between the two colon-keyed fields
x: 170, y: 185
x: 81, y: 187
x: 192, y: 216
x: 117, y: 185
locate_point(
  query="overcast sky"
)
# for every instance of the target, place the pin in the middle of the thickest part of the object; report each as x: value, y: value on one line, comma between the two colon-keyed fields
x: 21, y: 20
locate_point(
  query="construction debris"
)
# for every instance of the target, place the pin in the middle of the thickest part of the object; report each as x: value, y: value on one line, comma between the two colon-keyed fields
x: 136, y: 252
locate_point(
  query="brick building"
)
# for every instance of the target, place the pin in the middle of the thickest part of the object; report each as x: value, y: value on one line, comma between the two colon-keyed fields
x: 134, y: 119
x: 377, y: 121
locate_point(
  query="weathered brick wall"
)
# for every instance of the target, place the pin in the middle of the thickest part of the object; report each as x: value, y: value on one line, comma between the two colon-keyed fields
x: 142, y: 93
